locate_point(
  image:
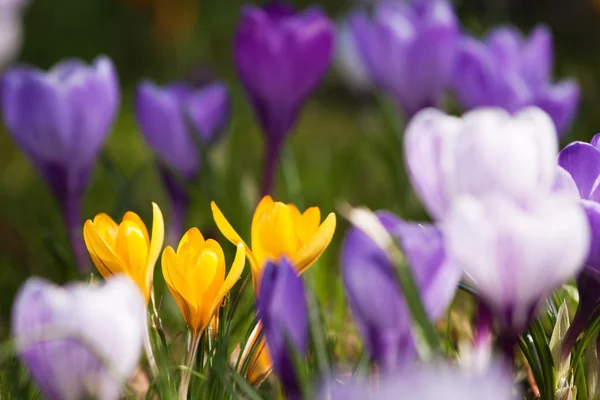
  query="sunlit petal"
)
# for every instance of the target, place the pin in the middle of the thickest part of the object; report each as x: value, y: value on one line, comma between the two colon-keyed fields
x: 313, y: 249
x: 102, y: 253
x: 232, y: 277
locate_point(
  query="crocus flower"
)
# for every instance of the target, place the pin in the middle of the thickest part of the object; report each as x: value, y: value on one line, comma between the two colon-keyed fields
x: 165, y: 116
x: 284, y: 316
x: 428, y: 383
x: 409, y: 48
x: 516, y: 254
x: 79, y: 341
x: 280, y: 57
x: 279, y: 230
x: 449, y: 156
x: 509, y: 71
x: 195, y: 276
x: 582, y: 161
x: 60, y: 120
x: 10, y: 26
x: 377, y: 304
x: 127, y: 247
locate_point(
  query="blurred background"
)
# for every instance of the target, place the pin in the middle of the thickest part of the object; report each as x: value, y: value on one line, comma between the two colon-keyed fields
x: 342, y: 147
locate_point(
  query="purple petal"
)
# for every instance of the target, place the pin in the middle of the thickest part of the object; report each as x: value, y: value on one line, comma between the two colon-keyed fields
x: 565, y: 184
x: 592, y: 210
x: 208, y: 109
x: 561, y: 102
x: 475, y: 75
x: 537, y: 57
x: 596, y: 141
x: 505, y: 45
x: 582, y: 161
x: 349, y: 62
x: 160, y: 115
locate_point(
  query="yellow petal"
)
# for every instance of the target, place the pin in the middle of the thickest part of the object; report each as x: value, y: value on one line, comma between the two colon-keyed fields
x: 156, y: 243
x: 230, y: 233
x: 105, y: 258
x: 263, y: 207
x: 107, y: 228
x: 317, y: 244
x: 193, y: 235
x: 133, y: 217
x: 219, y: 276
x: 132, y: 248
x: 276, y: 232
x: 261, y: 364
x: 308, y: 224
x: 232, y: 277
x: 170, y: 269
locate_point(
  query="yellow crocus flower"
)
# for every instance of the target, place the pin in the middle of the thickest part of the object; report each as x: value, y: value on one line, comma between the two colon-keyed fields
x: 126, y: 248
x: 260, y: 365
x: 279, y: 229
x: 195, y: 275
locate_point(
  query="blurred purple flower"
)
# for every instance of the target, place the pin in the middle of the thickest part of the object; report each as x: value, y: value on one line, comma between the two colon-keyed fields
x: 409, y: 49
x: 428, y: 383
x: 60, y: 119
x: 80, y: 341
x: 348, y: 62
x: 10, y: 26
x: 281, y: 57
x: 166, y: 115
x: 582, y: 161
x: 284, y: 316
x: 449, y: 156
x: 516, y: 253
x: 377, y: 304
x: 509, y: 71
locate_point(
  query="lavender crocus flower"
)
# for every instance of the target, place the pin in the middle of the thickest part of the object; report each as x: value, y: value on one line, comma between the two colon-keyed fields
x: 10, y: 28
x: 173, y: 120
x: 284, y: 316
x: 509, y: 71
x: 582, y: 161
x: 516, y: 253
x: 377, y: 304
x: 409, y: 48
x: 60, y: 120
x: 428, y: 383
x: 449, y: 156
x: 280, y: 57
x: 80, y: 341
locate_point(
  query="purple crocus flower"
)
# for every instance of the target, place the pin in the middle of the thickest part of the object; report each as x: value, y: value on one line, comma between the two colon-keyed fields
x: 80, y: 341
x: 409, y: 48
x: 281, y: 56
x: 582, y: 161
x: 509, y: 71
x: 60, y: 119
x: 377, y: 304
x: 166, y: 115
x: 428, y: 382
x: 449, y: 156
x: 349, y: 64
x: 516, y: 253
x: 284, y: 316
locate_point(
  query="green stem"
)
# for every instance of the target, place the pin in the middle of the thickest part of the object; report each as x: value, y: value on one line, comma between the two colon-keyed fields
x: 186, y: 374
x: 292, y: 176
x: 412, y: 296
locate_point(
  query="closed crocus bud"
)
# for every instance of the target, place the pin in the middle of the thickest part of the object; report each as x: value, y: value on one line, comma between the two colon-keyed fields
x: 60, y: 120
x: 428, y: 382
x: 80, y: 341
x: 377, y: 304
x: 173, y: 119
x: 516, y: 254
x: 449, y: 156
x: 281, y: 56
x: 126, y: 248
x: 511, y: 71
x: 582, y: 161
x: 284, y: 316
x: 278, y: 230
x: 349, y: 64
x: 409, y: 49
